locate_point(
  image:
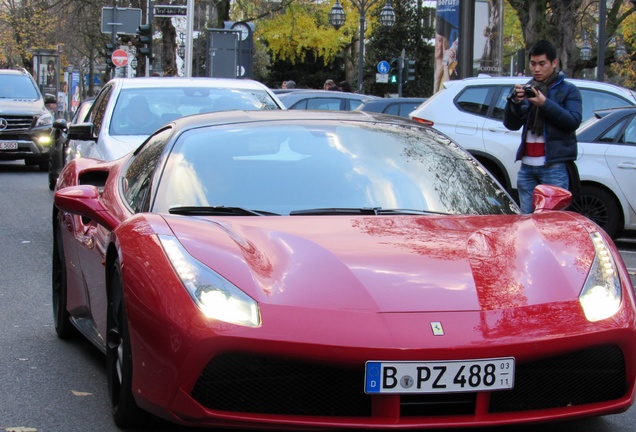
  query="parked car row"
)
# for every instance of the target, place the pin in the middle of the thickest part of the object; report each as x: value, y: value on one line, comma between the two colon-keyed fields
x: 223, y: 253
x: 470, y: 112
x: 343, y: 101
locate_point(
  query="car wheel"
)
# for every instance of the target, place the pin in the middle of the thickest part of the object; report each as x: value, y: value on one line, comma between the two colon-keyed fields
x: 61, y: 316
x: 125, y: 411
x: 600, y: 206
x: 44, y: 166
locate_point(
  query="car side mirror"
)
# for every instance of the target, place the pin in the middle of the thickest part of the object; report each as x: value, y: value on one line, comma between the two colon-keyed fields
x: 548, y: 197
x: 81, y: 132
x: 84, y: 201
x: 60, y: 124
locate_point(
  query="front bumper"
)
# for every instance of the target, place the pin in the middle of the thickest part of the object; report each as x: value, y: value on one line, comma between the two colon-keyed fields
x: 32, y: 146
x: 233, y: 380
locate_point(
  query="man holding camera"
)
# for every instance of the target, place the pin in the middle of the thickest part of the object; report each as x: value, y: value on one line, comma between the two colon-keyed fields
x: 549, y: 109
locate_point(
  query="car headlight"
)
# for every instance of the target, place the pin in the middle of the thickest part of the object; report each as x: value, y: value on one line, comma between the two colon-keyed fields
x: 44, y: 120
x: 602, y: 293
x: 213, y: 294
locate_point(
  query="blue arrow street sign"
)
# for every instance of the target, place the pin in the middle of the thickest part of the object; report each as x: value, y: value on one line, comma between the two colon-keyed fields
x: 384, y: 67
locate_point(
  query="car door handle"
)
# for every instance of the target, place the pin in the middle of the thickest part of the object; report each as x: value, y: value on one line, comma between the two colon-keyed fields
x: 504, y: 130
x: 626, y: 165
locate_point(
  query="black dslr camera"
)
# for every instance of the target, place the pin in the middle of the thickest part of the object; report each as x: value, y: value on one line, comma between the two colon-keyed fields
x: 527, y: 90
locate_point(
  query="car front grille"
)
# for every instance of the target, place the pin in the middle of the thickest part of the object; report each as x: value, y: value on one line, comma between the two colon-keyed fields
x: 594, y: 375
x: 16, y: 123
x: 244, y: 383
x: 251, y: 384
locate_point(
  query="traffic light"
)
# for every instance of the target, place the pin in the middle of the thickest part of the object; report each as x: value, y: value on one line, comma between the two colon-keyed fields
x: 109, y: 48
x: 144, y: 32
x: 410, y: 70
x: 395, y: 70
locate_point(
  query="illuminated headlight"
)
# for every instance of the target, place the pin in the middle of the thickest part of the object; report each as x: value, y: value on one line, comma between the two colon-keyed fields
x: 44, y: 120
x: 602, y: 294
x: 214, y: 295
x: 45, y: 140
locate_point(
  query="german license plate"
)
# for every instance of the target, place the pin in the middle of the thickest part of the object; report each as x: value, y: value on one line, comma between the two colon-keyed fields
x: 440, y: 376
x: 8, y: 145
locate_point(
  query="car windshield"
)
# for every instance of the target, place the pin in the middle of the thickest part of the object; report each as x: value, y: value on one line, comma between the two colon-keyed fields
x: 17, y: 87
x: 326, y: 167
x: 141, y: 111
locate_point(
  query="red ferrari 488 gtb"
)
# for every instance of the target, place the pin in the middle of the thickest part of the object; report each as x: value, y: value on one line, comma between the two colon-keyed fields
x: 307, y: 270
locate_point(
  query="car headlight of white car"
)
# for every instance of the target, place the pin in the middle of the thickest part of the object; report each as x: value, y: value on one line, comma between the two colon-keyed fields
x: 602, y: 293
x: 217, y: 297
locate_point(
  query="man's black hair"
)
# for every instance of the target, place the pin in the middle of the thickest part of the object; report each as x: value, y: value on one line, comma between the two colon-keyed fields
x: 543, y: 47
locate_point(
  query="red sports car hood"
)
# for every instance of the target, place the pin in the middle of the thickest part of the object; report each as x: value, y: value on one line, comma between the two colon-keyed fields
x: 395, y: 264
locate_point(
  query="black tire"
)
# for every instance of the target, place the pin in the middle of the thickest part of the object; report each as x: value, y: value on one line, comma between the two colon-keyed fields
x: 125, y: 411
x: 61, y: 316
x: 44, y: 166
x: 600, y: 206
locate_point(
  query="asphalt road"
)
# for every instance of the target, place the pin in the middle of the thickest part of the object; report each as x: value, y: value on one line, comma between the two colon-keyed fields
x: 49, y: 385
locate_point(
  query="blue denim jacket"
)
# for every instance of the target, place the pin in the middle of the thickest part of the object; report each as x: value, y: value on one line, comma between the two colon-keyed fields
x: 562, y: 113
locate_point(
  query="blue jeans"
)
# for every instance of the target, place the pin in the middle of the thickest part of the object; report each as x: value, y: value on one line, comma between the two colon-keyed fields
x: 530, y: 176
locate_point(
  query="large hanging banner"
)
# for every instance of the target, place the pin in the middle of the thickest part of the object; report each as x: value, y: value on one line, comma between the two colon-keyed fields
x: 488, y: 38
x: 446, y: 42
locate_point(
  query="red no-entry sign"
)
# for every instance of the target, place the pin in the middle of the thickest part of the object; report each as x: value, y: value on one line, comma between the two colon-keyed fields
x: 119, y: 57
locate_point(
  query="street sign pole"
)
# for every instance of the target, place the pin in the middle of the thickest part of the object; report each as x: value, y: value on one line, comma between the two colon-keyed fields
x: 188, y: 48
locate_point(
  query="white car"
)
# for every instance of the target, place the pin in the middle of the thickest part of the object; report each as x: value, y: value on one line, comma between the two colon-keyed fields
x: 607, y: 166
x: 112, y: 129
x: 470, y: 111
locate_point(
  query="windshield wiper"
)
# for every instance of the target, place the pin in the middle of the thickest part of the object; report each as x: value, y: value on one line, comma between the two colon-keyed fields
x: 336, y: 211
x: 399, y: 211
x: 218, y: 211
x: 374, y: 211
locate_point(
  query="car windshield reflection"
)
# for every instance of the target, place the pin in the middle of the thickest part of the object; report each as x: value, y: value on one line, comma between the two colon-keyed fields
x: 328, y: 166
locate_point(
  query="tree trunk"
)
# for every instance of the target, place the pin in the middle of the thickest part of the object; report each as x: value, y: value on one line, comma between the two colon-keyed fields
x: 168, y: 46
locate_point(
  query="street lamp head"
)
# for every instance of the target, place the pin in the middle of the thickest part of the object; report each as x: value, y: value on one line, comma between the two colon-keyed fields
x: 586, y: 52
x: 387, y: 15
x: 337, y: 15
x: 620, y: 53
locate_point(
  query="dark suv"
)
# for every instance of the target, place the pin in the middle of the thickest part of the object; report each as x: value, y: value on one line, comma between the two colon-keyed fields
x: 25, y: 122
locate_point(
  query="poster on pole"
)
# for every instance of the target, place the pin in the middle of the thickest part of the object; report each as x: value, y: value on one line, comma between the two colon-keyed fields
x: 446, y: 42
x: 488, y: 38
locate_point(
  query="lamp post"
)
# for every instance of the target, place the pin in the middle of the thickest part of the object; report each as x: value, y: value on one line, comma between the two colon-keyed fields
x: 600, y: 61
x: 337, y: 18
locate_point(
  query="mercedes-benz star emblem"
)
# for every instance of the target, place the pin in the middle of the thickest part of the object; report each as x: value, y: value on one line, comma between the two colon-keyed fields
x: 3, y: 124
